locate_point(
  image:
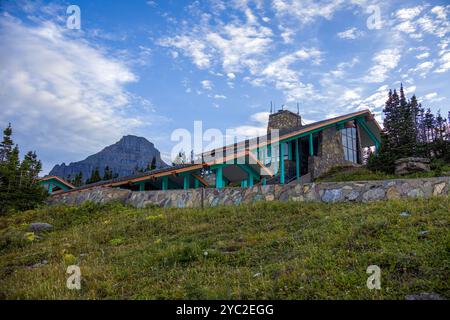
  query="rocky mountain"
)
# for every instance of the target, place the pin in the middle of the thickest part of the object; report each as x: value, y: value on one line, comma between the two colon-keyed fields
x: 122, y: 158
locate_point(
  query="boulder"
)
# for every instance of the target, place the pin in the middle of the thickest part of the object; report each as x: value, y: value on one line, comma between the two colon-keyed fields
x: 411, y: 165
x: 39, y: 227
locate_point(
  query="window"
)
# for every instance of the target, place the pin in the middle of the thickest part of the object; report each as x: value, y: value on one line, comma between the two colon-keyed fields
x: 349, y: 142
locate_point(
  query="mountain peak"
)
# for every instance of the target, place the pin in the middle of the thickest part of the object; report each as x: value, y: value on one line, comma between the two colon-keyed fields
x: 121, y: 157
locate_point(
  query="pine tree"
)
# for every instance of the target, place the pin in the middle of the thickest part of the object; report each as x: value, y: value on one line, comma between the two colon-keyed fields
x: 153, y: 163
x: 95, y: 176
x: 18, y: 188
x: 78, y: 180
x: 107, y: 174
x: 7, y: 143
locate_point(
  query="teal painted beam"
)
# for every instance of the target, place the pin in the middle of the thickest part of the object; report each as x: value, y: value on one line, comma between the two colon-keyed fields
x: 297, y: 160
x: 219, y: 178
x: 311, y: 145
x: 282, y: 178
x: 165, y: 183
x: 186, y: 182
x: 304, y: 134
x: 363, y: 125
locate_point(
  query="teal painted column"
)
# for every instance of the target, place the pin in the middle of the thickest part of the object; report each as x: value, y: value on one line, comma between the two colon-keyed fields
x: 219, y: 178
x: 289, y: 145
x: 165, y: 183
x: 311, y: 145
x: 196, y: 183
x: 264, y: 181
x: 186, y: 181
x: 297, y: 159
x: 281, y: 164
x: 250, y: 179
x: 244, y: 183
x: 142, y: 186
x: 50, y: 188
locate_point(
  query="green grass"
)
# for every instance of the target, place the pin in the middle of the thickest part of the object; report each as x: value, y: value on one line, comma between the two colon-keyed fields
x: 270, y: 250
x: 341, y: 174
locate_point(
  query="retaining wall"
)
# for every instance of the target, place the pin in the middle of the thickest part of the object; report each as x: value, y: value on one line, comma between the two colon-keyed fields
x: 361, y: 191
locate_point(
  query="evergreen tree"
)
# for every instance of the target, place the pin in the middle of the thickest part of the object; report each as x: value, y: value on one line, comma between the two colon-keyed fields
x: 95, y: 176
x: 107, y: 174
x: 153, y: 163
x: 7, y: 143
x: 78, y: 180
x: 18, y: 188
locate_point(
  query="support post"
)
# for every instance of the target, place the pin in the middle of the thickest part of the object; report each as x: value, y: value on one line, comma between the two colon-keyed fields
x: 165, y: 183
x: 297, y: 159
x: 50, y: 188
x: 289, y: 145
x: 219, y: 178
x: 264, y: 181
x: 142, y: 186
x: 186, y: 181
x: 311, y: 145
x: 196, y: 183
x: 281, y: 164
x: 250, y: 179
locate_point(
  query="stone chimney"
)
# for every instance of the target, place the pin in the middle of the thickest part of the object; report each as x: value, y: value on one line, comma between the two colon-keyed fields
x: 284, y: 120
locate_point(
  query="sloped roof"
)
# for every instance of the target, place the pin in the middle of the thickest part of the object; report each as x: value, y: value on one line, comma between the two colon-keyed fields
x: 292, y: 132
x: 47, y: 178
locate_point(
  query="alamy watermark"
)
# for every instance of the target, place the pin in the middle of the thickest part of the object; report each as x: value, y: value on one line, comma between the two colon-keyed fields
x: 74, y: 280
x: 374, y: 280
x: 74, y: 19
x: 214, y: 146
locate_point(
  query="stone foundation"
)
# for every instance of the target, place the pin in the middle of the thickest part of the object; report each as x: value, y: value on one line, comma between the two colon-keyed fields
x: 363, y: 191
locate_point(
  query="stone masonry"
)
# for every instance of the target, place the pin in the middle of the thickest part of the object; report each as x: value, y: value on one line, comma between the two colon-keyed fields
x: 331, y: 153
x: 359, y: 191
x: 284, y: 119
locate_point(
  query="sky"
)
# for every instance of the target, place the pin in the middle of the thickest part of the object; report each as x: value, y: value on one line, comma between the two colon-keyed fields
x: 150, y: 67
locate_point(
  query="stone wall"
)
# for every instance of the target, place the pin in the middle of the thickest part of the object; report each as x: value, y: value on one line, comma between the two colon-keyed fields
x: 330, y: 155
x: 284, y: 119
x: 363, y: 191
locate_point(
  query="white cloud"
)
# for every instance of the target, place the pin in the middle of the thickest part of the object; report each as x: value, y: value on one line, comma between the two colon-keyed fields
x: 406, y: 27
x: 260, y: 117
x: 236, y: 45
x: 307, y: 11
x: 409, y: 13
x: 231, y: 75
x: 432, y: 97
x: 384, y: 61
x: 350, y: 34
x: 219, y: 96
x: 286, y: 78
x: 423, y: 55
x: 193, y: 48
x: 444, y: 61
x: 423, y: 68
x: 55, y: 88
x: 207, y: 85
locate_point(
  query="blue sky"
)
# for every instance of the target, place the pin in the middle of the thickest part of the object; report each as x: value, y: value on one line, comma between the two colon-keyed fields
x: 150, y: 67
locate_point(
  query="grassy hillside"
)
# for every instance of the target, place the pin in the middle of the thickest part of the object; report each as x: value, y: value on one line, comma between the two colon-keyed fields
x: 267, y: 250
